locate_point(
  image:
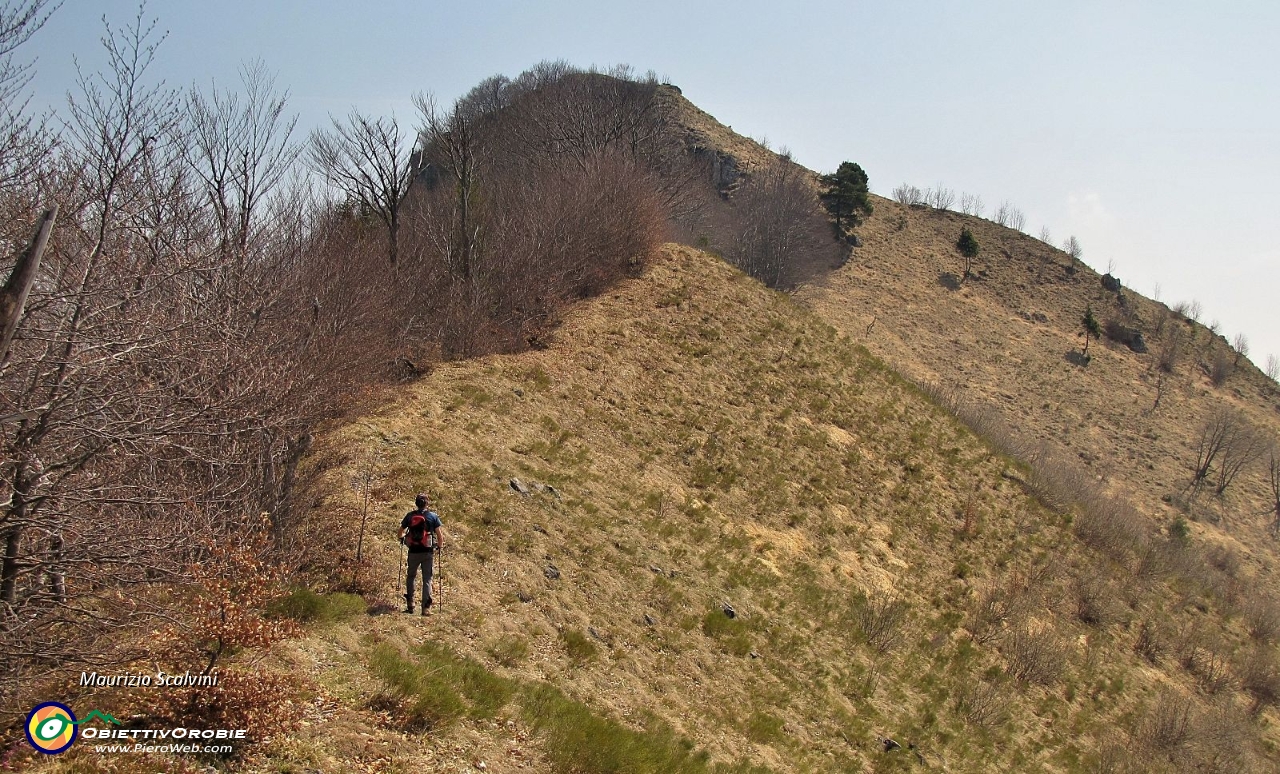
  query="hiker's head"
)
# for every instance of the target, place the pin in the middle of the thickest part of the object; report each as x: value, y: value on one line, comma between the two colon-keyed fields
x: 421, y: 500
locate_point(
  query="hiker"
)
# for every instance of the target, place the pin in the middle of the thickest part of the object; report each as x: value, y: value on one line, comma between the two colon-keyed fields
x: 421, y: 532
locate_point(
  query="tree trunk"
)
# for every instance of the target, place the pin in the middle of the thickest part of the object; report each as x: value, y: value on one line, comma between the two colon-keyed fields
x: 9, y: 568
x: 13, y: 297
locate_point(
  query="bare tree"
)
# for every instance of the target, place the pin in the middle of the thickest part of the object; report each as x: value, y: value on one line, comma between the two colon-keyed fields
x: 22, y: 144
x: 82, y: 373
x: 1226, y: 445
x: 1194, y: 310
x: 1246, y: 448
x: 943, y: 198
x: 1045, y: 235
x: 971, y: 204
x: 1241, y: 347
x: 1010, y: 216
x: 241, y: 148
x: 450, y: 144
x: 781, y: 229
x: 367, y: 160
x: 1072, y: 247
x: 1273, y: 367
x: 909, y: 195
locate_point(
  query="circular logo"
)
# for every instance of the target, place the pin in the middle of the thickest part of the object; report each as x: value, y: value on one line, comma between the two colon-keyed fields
x: 51, y: 727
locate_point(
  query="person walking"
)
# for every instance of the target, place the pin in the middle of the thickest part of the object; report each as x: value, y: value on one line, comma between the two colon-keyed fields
x: 422, y: 532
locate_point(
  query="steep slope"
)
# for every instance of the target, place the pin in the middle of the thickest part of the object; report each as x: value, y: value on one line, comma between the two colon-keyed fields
x: 1009, y: 338
x: 693, y: 442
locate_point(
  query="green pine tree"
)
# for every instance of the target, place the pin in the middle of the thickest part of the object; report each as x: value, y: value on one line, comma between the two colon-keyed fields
x: 968, y: 247
x: 845, y: 195
x: 1091, y: 329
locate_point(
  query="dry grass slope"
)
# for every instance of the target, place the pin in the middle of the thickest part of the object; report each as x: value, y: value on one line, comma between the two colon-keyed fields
x: 693, y: 440
x: 1008, y: 338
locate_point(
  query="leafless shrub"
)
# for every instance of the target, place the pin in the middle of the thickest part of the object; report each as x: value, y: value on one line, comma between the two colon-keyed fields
x: 1010, y: 216
x: 1273, y: 368
x: 1034, y: 654
x: 784, y: 235
x: 994, y: 607
x: 1160, y: 558
x: 880, y: 619
x: 1045, y: 235
x: 942, y: 198
x: 983, y: 703
x: 1167, y: 727
x: 971, y: 204
x: 1262, y: 616
x: 1260, y: 678
x: 1094, y: 599
x: 1194, y: 310
x: 909, y: 195
x: 1221, y: 742
x: 1221, y: 366
x: 1200, y: 653
x: 1151, y: 642
x: 1111, y: 526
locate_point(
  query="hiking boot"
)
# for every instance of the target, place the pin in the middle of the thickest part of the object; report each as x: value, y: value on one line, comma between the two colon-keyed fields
x: 408, y: 605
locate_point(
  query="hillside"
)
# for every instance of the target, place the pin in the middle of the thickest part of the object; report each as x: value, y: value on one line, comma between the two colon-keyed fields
x: 1008, y: 339
x: 692, y: 441
x: 892, y: 521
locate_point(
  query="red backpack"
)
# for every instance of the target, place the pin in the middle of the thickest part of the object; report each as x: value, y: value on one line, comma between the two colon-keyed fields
x: 418, y: 535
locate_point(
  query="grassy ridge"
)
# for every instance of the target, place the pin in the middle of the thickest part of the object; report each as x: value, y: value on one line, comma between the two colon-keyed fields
x: 693, y: 442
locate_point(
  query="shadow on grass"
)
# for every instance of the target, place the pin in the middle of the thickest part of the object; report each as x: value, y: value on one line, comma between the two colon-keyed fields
x: 1075, y: 358
x: 949, y: 281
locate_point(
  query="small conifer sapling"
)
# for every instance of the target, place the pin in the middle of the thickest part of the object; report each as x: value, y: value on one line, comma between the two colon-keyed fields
x: 1091, y: 329
x: 968, y: 247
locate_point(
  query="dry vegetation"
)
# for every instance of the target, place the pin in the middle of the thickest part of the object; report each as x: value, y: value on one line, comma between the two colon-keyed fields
x: 198, y: 313
x: 742, y: 542
x: 889, y: 574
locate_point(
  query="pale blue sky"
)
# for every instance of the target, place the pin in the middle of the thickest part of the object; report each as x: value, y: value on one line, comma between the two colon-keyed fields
x: 1147, y: 129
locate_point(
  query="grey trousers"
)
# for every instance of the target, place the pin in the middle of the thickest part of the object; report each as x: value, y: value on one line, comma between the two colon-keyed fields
x: 421, y: 559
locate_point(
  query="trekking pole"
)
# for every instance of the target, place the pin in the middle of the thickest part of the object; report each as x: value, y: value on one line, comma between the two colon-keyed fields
x: 403, y: 560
